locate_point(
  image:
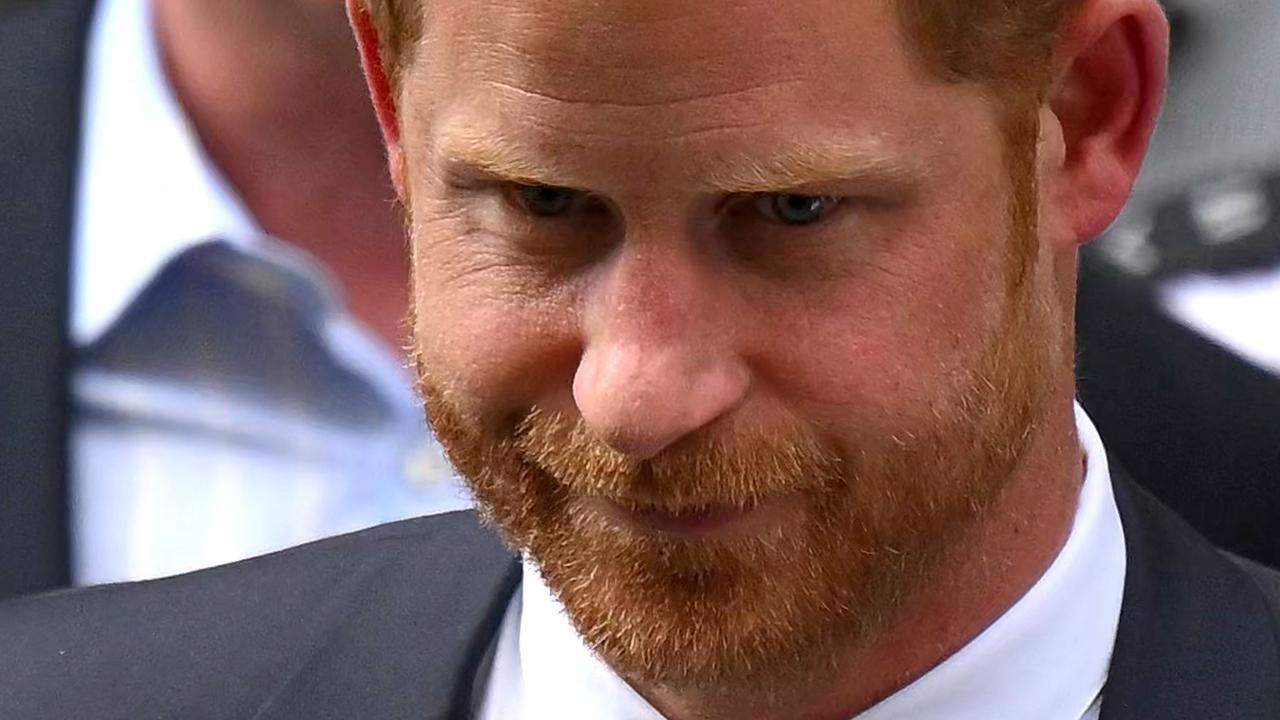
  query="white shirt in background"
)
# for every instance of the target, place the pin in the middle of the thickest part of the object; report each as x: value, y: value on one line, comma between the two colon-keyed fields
x: 167, y: 474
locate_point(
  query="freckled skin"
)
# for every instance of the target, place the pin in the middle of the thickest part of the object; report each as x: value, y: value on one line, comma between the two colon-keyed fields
x: 663, y: 310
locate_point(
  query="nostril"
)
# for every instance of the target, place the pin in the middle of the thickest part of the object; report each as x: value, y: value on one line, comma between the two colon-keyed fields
x: 635, y: 444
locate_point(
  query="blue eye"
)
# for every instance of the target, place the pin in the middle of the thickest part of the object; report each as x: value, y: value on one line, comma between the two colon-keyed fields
x: 545, y: 200
x: 791, y: 209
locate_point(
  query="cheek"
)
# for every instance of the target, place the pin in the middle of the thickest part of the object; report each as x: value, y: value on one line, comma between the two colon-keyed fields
x: 879, y: 351
x: 498, y: 335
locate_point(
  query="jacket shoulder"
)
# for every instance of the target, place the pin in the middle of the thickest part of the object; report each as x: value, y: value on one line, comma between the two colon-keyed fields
x: 1198, y: 634
x: 219, y: 642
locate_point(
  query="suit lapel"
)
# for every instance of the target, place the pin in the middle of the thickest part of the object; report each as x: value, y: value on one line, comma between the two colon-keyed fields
x: 1196, y: 638
x: 413, y: 639
x: 42, y: 50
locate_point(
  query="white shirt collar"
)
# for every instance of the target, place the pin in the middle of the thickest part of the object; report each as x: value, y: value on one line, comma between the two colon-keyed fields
x: 1047, y: 657
x: 146, y: 191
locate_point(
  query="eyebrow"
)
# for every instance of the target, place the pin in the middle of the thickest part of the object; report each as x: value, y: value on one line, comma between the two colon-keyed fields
x: 790, y: 167
x: 797, y: 166
x: 467, y: 153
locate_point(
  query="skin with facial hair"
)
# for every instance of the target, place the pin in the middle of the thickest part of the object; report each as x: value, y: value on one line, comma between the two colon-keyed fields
x: 753, y: 614
x: 752, y: 331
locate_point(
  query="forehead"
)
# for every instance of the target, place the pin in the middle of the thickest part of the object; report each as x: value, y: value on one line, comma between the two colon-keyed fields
x: 630, y: 42
x: 647, y: 82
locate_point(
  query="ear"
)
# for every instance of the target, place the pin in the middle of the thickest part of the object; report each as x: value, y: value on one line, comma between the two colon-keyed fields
x: 1113, y: 61
x: 376, y: 75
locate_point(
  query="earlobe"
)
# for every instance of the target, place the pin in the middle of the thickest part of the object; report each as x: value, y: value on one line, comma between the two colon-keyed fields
x: 381, y: 89
x: 1106, y: 99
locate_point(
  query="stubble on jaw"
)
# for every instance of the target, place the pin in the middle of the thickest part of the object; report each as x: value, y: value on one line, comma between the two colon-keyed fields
x: 765, y: 615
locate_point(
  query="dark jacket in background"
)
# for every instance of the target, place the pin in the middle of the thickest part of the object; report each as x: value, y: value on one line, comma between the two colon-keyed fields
x: 1192, y: 421
x: 42, y: 53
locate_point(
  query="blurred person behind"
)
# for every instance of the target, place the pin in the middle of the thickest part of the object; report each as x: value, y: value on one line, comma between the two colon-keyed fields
x: 203, y: 285
x: 1179, y: 341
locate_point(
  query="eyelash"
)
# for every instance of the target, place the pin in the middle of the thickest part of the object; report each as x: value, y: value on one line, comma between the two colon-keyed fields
x: 577, y: 202
x: 511, y: 193
x: 753, y: 203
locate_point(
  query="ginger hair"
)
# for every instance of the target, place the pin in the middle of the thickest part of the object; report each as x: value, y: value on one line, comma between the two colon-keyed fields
x: 1005, y: 45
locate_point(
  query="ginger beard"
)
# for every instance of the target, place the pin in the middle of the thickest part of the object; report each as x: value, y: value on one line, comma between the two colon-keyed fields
x: 762, y: 613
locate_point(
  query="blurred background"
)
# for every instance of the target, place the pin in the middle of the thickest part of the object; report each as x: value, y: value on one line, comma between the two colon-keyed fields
x: 1179, y: 303
x: 204, y: 283
x: 1223, y: 110
x: 203, y: 277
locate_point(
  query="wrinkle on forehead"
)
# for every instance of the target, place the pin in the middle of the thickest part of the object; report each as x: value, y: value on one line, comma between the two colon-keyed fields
x: 607, y: 94
x: 654, y: 52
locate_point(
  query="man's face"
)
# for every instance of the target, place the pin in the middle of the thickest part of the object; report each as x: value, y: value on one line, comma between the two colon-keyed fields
x: 743, y: 385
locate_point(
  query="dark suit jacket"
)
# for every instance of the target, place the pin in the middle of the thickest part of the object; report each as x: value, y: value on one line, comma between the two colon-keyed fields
x: 395, y: 623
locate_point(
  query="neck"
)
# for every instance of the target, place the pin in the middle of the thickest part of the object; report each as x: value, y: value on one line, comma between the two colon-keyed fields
x: 1004, y: 556
x: 274, y: 91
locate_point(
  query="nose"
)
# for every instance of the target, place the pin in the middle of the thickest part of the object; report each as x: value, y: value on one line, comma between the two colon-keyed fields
x: 659, y: 360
